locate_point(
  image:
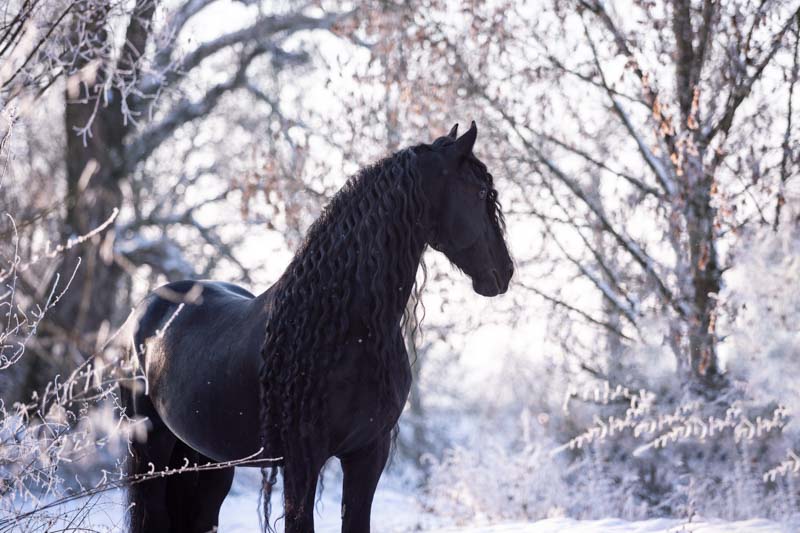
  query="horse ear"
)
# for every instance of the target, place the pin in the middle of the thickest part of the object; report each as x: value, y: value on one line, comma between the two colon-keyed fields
x: 463, y: 146
x: 453, y: 131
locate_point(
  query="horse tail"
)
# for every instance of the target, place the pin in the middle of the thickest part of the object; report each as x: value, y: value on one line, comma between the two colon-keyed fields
x: 143, y: 420
x: 269, y: 477
x: 137, y: 463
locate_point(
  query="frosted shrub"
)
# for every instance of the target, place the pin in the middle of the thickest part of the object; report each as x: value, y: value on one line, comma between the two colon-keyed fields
x: 66, y: 440
x: 670, y: 458
x: 490, y: 482
x: 762, y: 333
x: 657, y: 448
x: 47, y: 458
x: 642, y: 456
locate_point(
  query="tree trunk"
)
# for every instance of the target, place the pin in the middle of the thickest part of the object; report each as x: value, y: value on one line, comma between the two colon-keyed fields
x: 696, y: 182
x: 705, y: 271
x: 95, y: 128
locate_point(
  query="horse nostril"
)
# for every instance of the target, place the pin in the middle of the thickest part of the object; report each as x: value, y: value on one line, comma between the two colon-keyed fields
x: 510, y: 270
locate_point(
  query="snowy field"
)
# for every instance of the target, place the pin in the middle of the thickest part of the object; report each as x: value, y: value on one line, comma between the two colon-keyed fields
x: 394, y: 511
x: 612, y: 525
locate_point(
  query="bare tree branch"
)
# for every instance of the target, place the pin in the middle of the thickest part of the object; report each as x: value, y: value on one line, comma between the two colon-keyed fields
x: 636, y: 182
x: 626, y: 309
x: 741, y: 91
x: 788, y: 149
x: 592, y: 81
x: 628, y: 244
x: 573, y: 309
x: 655, y: 164
x: 185, y: 111
x: 684, y: 62
x: 707, y: 28
x: 260, y: 31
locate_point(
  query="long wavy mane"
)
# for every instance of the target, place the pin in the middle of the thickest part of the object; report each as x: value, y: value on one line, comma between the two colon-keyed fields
x: 379, y: 211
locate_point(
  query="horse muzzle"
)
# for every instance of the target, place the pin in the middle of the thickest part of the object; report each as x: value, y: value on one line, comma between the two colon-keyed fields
x: 491, y: 282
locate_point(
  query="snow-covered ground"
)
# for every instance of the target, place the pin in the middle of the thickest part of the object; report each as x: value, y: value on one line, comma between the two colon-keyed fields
x: 394, y: 511
x: 613, y: 525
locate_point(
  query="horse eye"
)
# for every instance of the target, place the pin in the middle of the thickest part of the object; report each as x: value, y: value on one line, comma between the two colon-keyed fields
x: 482, y: 194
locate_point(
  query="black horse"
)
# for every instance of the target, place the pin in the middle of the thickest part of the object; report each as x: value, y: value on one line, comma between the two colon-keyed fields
x: 316, y: 366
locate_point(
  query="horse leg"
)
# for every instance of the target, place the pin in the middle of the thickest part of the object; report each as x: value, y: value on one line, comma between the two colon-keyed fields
x: 212, y: 488
x: 148, y: 511
x: 362, y: 470
x: 194, y: 498
x: 181, y: 488
x: 299, y: 489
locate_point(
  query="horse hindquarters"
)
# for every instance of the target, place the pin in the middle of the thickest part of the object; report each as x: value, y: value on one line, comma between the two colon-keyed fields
x: 150, y: 449
x: 181, y: 503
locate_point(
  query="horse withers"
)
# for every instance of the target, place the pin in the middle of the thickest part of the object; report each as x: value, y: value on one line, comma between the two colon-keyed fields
x: 316, y: 366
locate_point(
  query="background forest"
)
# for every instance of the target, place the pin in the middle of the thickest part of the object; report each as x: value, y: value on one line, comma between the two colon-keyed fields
x: 645, y: 360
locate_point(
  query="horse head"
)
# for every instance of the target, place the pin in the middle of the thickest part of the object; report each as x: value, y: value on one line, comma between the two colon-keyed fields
x: 464, y: 221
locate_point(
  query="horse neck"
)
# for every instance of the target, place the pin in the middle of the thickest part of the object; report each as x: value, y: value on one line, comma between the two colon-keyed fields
x: 385, y: 279
x: 360, y: 257
x: 395, y: 278
x: 379, y: 282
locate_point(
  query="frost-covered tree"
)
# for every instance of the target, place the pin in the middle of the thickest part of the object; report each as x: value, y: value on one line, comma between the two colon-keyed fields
x: 643, y: 136
x: 120, y: 81
x: 646, y: 144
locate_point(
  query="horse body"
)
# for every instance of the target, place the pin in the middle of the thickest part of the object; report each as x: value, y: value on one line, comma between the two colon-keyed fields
x: 316, y: 366
x: 201, y: 359
x: 194, y: 354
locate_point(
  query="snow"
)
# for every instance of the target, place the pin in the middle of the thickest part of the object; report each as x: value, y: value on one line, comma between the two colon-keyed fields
x: 395, y: 510
x: 398, y: 510
x: 614, y: 525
